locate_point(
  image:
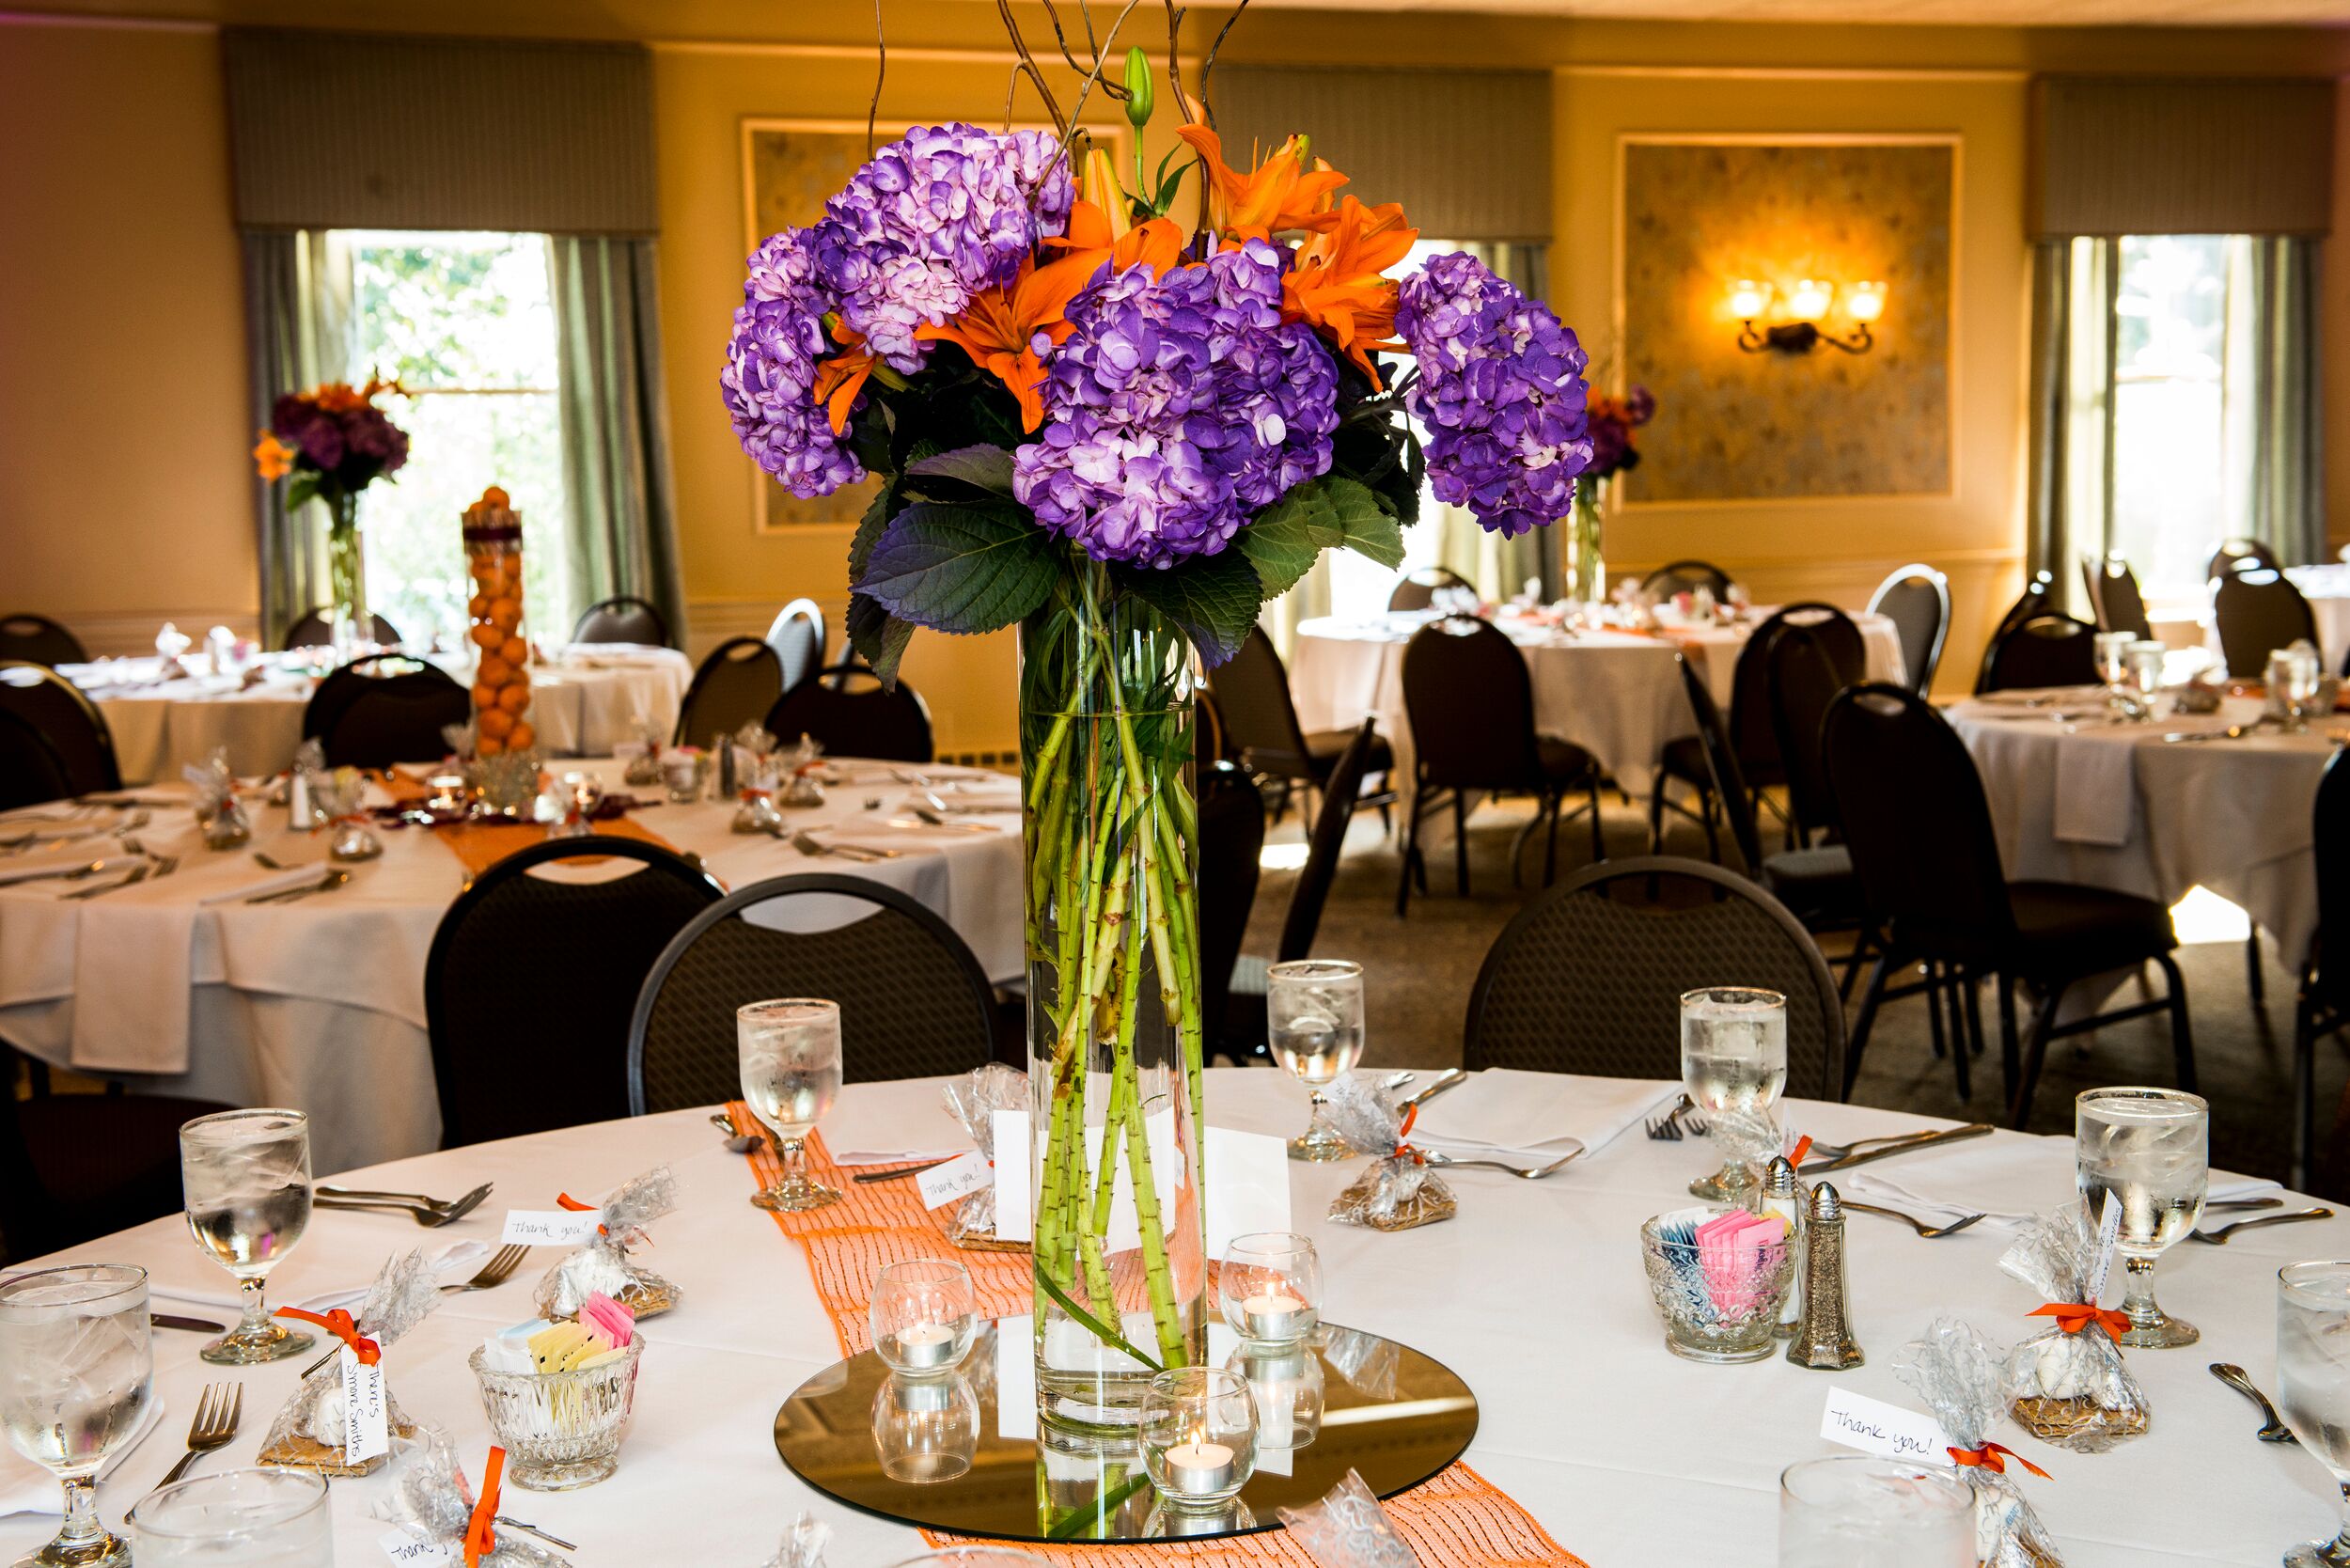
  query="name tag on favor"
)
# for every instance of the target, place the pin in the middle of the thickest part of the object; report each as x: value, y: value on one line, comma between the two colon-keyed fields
x: 958, y: 1178
x: 551, y: 1227
x: 404, y: 1548
x: 366, y: 1417
x: 1887, y: 1431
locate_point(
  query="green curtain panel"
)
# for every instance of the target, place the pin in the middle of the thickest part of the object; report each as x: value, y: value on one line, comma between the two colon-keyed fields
x: 616, y: 426
x: 2278, y: 455
x: 2071, y: 496
x: 298, y: 333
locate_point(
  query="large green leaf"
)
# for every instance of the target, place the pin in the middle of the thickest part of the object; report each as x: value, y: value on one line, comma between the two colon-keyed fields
x: 960, y: 568
x: 879, y: 637
x: 868, y: 530
x: 983, y: 467
x: 1326, y: 513
x: 1212, y: 598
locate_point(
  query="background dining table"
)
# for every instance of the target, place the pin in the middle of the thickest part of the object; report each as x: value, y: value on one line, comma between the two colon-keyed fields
x: 1534, y: 1294
x: 184, y: 988
x: 585, y: 700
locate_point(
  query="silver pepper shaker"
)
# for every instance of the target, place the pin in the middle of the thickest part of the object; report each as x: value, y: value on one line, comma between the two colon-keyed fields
x: 1823, y: 1335
x: 1781, y: 1194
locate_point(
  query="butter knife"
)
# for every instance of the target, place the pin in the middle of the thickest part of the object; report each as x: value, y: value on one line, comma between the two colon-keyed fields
x: 1923, y: 1140
x: 194, y: 1325
x: 1452, y: 1077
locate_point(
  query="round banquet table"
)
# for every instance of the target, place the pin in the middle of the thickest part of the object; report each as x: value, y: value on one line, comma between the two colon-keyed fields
x: 585, y: 700
x: 2117, y: 806
x: 2328, y: 590
x: 1534, y: 1294
x: 319, y: 1004
x: 1614, y: 693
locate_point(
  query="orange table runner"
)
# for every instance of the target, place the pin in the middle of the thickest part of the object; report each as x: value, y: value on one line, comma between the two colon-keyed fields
x: 1455, y: 1520
x: 482, y: 845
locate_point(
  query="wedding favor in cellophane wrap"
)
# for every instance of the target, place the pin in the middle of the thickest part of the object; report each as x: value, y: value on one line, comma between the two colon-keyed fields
x: 973, y: 1100
x: 1954, y: 1371
x: 601, y: 1263
x: 1348, y: 1529
x: 803, y: 1543
x: 1397, y: 1191
x: 2069, y: 1388
x: 218, y: 811
x: 431, y: 1503
x: 309, y: 1432
x: 1749, y: 1140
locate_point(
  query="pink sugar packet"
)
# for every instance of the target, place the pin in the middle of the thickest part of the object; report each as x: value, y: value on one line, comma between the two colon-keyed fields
x: 1732, y: 1249
x: 611, y: 1322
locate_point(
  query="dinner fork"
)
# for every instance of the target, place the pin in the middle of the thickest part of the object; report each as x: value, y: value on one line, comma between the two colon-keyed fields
x: 1929, y: 1231
x: 429, y: 1213
x: 326, y: 883
x: 497, y: 1271
x: 2273, y: 1430
x: 1533, y: 1173
x: 216, y: 1424
x: 2219, y: 1237
x: 1667, y: 1127
x: 139, y: 873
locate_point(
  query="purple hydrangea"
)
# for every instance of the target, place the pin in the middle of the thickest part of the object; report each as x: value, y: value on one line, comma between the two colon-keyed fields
x: 361, y: 438
x: 1500, y: 393
x: 935, y: 218
x: 770, y: 380
x: 1178, y: 406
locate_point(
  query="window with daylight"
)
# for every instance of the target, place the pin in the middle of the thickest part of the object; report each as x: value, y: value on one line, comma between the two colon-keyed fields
x: 466, y: 323
x: 2173, y: 421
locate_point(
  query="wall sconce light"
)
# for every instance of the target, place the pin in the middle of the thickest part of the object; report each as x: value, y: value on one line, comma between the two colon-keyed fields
x: 1807, y: 304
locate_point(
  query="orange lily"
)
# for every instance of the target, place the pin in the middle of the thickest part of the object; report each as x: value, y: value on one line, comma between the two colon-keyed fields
x: 1278, y: 193
x: 1335, y: 284
x: 839, y: 379
x: 273, y: 458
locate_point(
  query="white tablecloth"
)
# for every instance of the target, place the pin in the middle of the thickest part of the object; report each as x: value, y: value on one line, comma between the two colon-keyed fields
x: 1629, y: 1456
x: 320, y: 1004
x: 1614, y: 693
x: 2116, y: 805
x: 584, y: 701
x: 2328, y: 590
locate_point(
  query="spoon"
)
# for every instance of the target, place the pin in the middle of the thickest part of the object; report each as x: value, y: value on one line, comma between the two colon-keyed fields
x: 2234, y: 1377
x: 737, y: 1143
x: 1523, y: 1173
x: 2219, y: 1237
x: 1929, y: 1231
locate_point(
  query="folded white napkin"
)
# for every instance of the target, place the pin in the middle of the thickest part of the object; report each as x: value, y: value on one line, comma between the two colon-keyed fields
x: 26, y: 1488
x: 25, y: 868
x: 455, y: 1263
x: 1536, y: 1114
x: 276, y: 881
x: 2096, y: 788
x: 858, y: 1133
x: 2009, y: 1179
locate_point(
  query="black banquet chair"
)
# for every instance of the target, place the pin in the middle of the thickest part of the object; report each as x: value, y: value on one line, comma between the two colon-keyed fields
x: 39, y: 641
x: 734, y: 686
x: 2038, y: 598
x: 1253, y: 697
x: 1917, y: 600
x: 2046, y: 651
x: 851, y: 713
x: 384, y: 708
x: 1232, y: 840
x: 2323, y: 1006
x: 623, y: 617
x: 913, y: 1001
x: 1686, y: 577
x: 1588, y: 977
x: 1919, y: 827
x: 53, y: 742
x: 531, y: 977
x: 2258, y: 610
x: 75, y: 1167
x: 2114, y: 596
x: 797, y: 637
x: 315, y: 628
x: 1419, y: 590
x: 2231, y: 555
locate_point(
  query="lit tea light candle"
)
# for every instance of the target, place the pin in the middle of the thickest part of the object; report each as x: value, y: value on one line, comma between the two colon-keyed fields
x: 1198, y: 1469
x: 926, y: 1346
x: 1276, y: 1315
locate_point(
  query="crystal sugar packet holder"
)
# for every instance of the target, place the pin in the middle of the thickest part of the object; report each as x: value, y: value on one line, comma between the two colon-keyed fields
x: 1854, y: 1420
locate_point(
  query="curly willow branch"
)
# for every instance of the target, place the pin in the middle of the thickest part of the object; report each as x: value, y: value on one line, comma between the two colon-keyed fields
x: 881, y: 75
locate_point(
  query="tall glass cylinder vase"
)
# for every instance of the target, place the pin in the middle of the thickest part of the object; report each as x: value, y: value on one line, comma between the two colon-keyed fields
x: 1114, y: 1009
x: 346, y: 580
x: 1586, y: 572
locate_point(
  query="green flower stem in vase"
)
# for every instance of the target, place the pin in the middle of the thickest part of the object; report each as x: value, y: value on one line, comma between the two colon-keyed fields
x: 1585, y: 570
x: 1114, y: 1012
x: 347, y: 578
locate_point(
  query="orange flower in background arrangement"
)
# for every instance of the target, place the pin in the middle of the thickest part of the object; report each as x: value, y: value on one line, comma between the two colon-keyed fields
x: 273, y: 459
x: 1335, y: 284
x: 839, y: 379
x: 1279, y: 194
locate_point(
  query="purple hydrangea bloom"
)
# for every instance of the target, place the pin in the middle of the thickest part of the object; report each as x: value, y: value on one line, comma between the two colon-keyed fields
x: 1178, y: 406
x: 935, y: 218
x: 770, y: 380
x: 1500, y: 393
x: 329, y: 439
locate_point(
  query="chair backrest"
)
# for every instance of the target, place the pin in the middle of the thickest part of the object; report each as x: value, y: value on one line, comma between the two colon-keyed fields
x: 1419, y: 590
x: 31, y: 771
x: 2258, y: 610
x: 1721, y: 761
x: 1588, y: 978
x: 1805, y: 675
x: 2113, y: 596
x: 798, y: 638
x: 2332, y: 840
x: 531, y: 979
x: 78, y: 748
x: 1917, y: 822
x: 913, y: 1002
x: 1751, y: 727
x: 736, y: 684
x: 1917, y: 600
x: 315, y: 628
x: 1252, y: 698
x: 851, y: 713
x: 37, y: 640
x: 2036, y: 600
x: 1324, y: 847
x: 1471, y: 703
x: 367, y: 719
x: 1231, y: 838
x: 2046, y: 651
x: 1208, y: 745
x: 623, y: 617
x: 1685, y: 577
x: 2230, y: 554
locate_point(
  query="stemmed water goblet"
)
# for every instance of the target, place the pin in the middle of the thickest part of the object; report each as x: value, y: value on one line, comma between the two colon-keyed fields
x: 2295, y: 675
x: 76, y: 1375
x: 2313, y: 1375
x: 1734, y: 1060
x: 2146, y: 1150
x: 245, y: 1179
x: 789, y: 1056
x: 1314, y: 1025
x: 2145, y: 660
x: 2113, y: 667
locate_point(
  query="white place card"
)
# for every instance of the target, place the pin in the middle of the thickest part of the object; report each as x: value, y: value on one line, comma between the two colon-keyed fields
x: 404, y: 1548
x: 1015, y: 1376
x: 365, y: 1423
x: 1248, y: 1186
x: 942, y: 1185
x: 1888, y: 1431
x: 551, y: 1227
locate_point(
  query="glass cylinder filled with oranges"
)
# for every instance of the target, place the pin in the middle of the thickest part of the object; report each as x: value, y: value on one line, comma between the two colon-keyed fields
x: 501, y: 681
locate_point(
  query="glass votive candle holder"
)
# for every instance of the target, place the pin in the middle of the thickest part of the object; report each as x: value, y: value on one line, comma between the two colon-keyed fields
x: 1198, y: 1434
x: 1853, y: 1511
x: 260, y: 1518
x: 1719, y: 1295
x: 1171, y: 1521
x: 1271, y: 1287
x: 560, y: 1430
x: 1289, y: 1388
x: 926, y: 1430
x: 922, y: 1315
x: 682, y: 775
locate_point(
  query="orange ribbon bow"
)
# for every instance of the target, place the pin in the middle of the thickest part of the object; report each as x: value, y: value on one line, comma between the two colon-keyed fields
x: 1988, y: 1457
x: 481, y: 1540
x: 338, y: 1323
x: 565, y: 1201
x: 2074, y: 1316
x: 1803, y: 1147
x: 1404, y: 1150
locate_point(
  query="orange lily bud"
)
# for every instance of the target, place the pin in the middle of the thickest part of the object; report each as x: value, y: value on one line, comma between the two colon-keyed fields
x: 1101, y: 189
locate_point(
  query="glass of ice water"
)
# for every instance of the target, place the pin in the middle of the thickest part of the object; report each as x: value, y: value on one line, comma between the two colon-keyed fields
x: 1857, y: 1511
x: 237, y: 1519
x: 1314, y: 1025
x: 2148, y: 1149
x: 245, y: 1180
x: 1733, y: 1058
x: 789, y: 1052
x: 2313, y: 1366
x: 76, y: 1375
x: 2145, y: 661
x: 2113, y: 661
